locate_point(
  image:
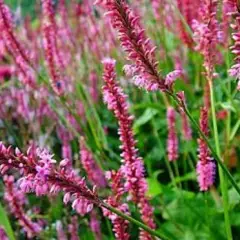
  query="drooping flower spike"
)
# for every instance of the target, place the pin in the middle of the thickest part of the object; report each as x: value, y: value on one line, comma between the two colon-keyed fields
x: 39, y: 175
x: 137, y: 45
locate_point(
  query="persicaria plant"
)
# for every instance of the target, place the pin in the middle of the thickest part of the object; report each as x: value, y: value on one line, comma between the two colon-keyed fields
x: 119, y: 119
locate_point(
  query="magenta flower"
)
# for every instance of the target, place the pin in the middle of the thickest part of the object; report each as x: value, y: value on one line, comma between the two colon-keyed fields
x: 172, y: 141
x: 94, y: 173
x: 138, y: 47
x: 95, y: 225
x: 207, y: 35
x: 206, y: 167
x: 40, y: 175
x: 61, y: 235
x: 20, y: 56
x: 73, y: 228
x: 132, y: 168
x: 54, y: 60
x: 235, y: 69
x: 3, y: 235
x: 16, y: 200
x: 120, y: 226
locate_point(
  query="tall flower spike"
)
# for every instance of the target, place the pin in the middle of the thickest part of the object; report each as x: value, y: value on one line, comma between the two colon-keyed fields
x: 23, y: 62
x: 132, y: 164
x: 135, y: 44
x: 205, y: 167
x: 16, y: 200
x: 94, y: 173
x: 172, y: 141
x: 39, y: 175
x: 54, y: 61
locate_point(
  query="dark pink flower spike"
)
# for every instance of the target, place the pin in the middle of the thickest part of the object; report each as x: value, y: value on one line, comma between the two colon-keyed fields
x: 132, y: 168
x: 206, y: 168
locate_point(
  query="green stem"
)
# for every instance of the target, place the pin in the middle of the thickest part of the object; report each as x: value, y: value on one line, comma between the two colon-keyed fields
x: 214, y: 154
x: 134, y: 221
x: 221, y: 173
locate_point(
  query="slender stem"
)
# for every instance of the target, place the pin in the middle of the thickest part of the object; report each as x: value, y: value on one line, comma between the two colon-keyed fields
x: 133, y: 220
x: 214, y: 154
x: 221, y: 173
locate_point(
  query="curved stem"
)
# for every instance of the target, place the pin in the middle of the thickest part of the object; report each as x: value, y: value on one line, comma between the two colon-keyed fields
x: 221, y: 173
x: 214, y: 154
x: 134, y: 221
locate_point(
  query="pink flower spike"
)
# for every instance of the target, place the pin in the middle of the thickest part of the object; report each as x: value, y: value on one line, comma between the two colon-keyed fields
x: 3, y: 235
x: 133, y: 168
x: 206, y: 167
x: 172, y: 141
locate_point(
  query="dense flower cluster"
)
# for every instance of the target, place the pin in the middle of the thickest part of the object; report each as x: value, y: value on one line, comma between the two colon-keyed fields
x: 132, y: 164
x: 206, y: 166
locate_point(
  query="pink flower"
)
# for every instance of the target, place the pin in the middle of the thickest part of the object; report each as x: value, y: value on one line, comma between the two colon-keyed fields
x: 206, y: 166
x: 3, y: 235
x: 120, y: 226
x: 172, y: 141
x: 134, y: 42
x: 207, y: 35
x: 132, y: 168
x: 20, y: 56
x: 73, y: 228
x: 95, y: 225
x: 235, y: 69
x: 40, y: 175
x: 61, y: 235
x: 16, y: 200
x: 94, y: 173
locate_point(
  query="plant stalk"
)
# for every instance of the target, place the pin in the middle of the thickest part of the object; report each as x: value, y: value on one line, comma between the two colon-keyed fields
x: 134, y: 221
x: 221, y: 173
x: 213, y: 152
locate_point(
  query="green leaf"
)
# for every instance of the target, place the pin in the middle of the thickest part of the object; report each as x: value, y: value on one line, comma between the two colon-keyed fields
x: 4, y: 221
x: 147, y: 116
x: 154, y: 187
